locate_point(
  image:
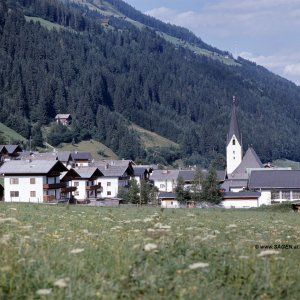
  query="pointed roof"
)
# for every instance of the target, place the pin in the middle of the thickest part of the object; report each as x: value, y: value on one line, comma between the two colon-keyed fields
x: 250, y: 161
x: 233, y: 127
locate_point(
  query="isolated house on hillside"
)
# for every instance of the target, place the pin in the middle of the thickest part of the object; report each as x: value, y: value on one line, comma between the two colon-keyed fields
x: 32, y: 181
x: 64, y: 119
x: 87, y: 184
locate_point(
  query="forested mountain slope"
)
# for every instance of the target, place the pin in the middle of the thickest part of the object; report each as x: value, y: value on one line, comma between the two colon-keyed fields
x: 109, y: 77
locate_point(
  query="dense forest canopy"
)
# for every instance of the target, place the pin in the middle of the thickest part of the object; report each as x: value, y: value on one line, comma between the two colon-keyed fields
x: 108, y: 77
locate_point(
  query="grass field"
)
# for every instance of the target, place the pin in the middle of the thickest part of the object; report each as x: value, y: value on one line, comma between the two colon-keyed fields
x: 74, y: 252
x: 151, y: 139
x: 10, y: 134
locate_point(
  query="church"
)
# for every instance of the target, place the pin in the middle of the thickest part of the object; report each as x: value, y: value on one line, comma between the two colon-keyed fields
x: 248, y: 183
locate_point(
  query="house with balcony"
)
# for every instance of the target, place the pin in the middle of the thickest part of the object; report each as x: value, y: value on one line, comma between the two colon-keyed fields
x: 87, y: 183
x: 67, y: 192
x: 32, y: 181
x: 117, y: 174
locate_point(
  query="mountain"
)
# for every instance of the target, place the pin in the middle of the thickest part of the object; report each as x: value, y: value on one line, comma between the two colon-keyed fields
x: 63, y: 57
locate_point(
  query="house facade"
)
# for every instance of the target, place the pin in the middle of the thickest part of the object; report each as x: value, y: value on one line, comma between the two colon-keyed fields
x: 64, y: 119
x: 32, y: 181
x: 165, y: 180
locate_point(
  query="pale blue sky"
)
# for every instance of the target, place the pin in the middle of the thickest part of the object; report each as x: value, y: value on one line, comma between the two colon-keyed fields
x: 264, y: 31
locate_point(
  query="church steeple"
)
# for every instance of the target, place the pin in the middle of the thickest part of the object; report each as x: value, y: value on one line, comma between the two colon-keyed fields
x: 233, y: 127
x: 234, y: 142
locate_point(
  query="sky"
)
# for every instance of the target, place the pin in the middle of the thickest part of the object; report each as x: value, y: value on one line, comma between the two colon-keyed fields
x: 263, y: 31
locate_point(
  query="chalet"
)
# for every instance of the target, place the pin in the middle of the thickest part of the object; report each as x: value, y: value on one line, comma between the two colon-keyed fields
x: 116, y: 175
x: 67, y: 192
x: 32, y: 181
x: 87, y: 184
x: 66, y: 158
x: 276, y: 185
x: 165, y: 180
x: 168, y: 200
x: 104, y: 22
x: 64, y: 119
x: 9, y: 152
x: 141, y: 173
x: 81, y: 159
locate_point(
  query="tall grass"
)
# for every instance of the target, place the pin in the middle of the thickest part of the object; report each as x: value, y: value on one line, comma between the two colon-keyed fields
x: 74, y: 252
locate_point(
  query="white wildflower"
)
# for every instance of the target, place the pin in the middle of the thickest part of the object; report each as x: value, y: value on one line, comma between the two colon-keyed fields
x: 61, y: 283
x: 198, y: 265
x: 5, y: 238
x: 150, y: 247
x: 243, y: 257
x: 267, y: 253
x: 12, y: 208
x: 147, y: 220
x: 231, y: 226
x: 77, y: 250
x: 161, y: 226
x: 44, y: 292
x: 12, y: 220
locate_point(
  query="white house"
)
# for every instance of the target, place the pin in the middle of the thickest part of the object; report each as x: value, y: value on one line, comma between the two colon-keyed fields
x: 244, y: 199
x: 32, y: 181
x: 276, y: 186
x: 67, y: 177
x: 116, y: 175
x: 165, y: 180
x: 87, y: 184
x: 168, y: 200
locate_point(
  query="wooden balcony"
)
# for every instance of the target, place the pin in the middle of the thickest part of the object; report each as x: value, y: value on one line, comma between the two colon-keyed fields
x: 54, y: 186
x: 68, y: 189
x: 48, y: 198
x: 93, y: 187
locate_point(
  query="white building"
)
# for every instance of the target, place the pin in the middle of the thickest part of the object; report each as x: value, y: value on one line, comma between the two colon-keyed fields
x: 32, y: 181
x: 165, y: 180
x: 87, y: 184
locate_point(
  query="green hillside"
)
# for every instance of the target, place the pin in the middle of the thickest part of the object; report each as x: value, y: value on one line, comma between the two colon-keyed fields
x: 138, y: 71
x: 10, y: 135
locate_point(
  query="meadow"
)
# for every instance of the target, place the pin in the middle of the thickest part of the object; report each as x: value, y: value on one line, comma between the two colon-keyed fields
x: 76, y: 252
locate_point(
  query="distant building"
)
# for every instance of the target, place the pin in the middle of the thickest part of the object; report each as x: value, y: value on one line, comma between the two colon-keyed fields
x: 9, y: 152
x: 168, y: 200
x: 64, y: 119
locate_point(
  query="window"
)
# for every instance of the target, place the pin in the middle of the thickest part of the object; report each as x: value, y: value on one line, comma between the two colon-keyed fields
x: 108, y: 184
x: 108, y: 193
x: 296, y: 195
x: 14, y: 180
x: 76, y: 193
x: 275, y: 195
x: 32, y: 193
x: 233, y: 142
x: 32, y: 180
x: 76, y: 183
x: 286, y: 195
x: 14, y: 193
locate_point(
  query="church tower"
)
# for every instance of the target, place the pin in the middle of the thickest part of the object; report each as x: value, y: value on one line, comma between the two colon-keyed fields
x: 234, y: 151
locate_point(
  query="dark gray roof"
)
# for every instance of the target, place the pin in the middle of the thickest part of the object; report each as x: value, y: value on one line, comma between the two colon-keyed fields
x: 239, y: 195
x: 164, y: 175
x: 268, y: 179
x: 88, y: 172
x: 139, y: 171
x: 233, y: 127
x: 31, y: 167
x: 187, y: 175
x: 228, y: 184
x: 249, y: 161
x: 64, y: 156
x: 81, y: 155
x: 166, y: 195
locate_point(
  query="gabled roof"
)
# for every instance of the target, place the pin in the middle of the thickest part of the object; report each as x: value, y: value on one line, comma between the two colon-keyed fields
x: 24, y: 167
x: 88, y: 172
x: 233, y: 127
x: 10, y: 149
x: 64, y: 156
x: 221, y: 175
x: 139, y: 171
x: 187, y: 175
x: 241, y: 195
x: 161, y: 175
x: 68, y: 175
x: 249, y: 161
x: 81, y: 156
x: 167, y: 195
x: 62, y: 116
x: 274, y: 179
x: 114, y: 171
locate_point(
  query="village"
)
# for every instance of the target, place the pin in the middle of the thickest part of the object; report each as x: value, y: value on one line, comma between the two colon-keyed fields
x: 75, y: 177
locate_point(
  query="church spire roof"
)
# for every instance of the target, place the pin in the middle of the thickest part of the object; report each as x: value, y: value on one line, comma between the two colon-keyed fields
x: 233, y: 127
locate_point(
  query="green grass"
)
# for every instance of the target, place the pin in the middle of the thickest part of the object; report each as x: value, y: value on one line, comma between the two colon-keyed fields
x: 91, y: 146
x: 11, y: 135
x: 113, y: 262
x: 151, y: 139
x: 284, y: 163
x: 47, y: 24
